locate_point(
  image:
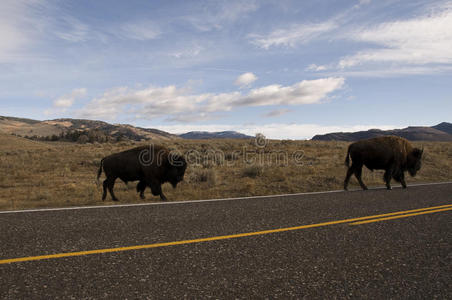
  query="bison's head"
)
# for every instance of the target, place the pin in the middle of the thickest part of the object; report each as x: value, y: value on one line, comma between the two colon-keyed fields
x: 176, y: 169
x: 414, y: 161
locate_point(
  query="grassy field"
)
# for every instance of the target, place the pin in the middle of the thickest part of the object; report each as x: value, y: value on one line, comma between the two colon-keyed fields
x: 54, y: 174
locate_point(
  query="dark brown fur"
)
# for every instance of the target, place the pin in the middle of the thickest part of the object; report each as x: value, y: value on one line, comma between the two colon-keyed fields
x: 151, y: 165
x: 393, y: 154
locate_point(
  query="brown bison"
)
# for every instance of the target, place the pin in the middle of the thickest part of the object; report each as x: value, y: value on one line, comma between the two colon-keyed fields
x: 393, y: 154
x: 151, y: 165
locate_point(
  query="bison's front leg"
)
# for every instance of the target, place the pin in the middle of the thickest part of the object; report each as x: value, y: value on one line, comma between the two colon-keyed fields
x: 401, y: 178
x: 156, y: 189
x: 402, y: 181
x: 387, y: 177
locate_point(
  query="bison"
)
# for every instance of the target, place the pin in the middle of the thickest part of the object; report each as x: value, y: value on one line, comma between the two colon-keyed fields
x: 393, y: 154
x: 151, y: 165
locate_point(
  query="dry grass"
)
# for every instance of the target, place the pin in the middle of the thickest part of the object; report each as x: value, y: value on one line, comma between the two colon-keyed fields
x: 36, y: 174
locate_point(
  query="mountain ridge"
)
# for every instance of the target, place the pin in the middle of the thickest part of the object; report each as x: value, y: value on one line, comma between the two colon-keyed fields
x: 440, y: 132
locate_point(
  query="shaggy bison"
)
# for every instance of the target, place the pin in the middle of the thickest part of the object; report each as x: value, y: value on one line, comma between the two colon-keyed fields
x: 151, y: 165
x: 393, y: 154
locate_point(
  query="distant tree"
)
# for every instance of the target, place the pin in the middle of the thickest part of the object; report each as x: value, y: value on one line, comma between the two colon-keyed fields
x: 120, y: 137
x: 83, y: 139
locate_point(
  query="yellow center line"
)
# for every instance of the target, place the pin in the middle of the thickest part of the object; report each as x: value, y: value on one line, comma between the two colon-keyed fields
x: 353, y: 221
x: 398, y: 217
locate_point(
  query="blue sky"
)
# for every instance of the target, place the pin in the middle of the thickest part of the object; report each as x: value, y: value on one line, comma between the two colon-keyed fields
x: 288, y: 69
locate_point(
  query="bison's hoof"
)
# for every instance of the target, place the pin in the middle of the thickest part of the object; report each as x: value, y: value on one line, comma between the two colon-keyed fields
x: 115, y: 199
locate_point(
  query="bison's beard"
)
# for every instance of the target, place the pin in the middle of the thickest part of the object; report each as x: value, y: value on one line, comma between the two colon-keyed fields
x: 174, y: 184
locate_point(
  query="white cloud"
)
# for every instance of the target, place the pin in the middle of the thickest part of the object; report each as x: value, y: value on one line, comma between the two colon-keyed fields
x: 304, y: 92
x: 272, y: 130
x: 144, y: 103
x: 418, y: 41
x: 361, y: 3
x: 181, y: 104
x: 299, y: 34
x: 67, y: 101
x: 393, y: 71
x: 71, y: 29
x: 233, y: 10
x: 216, y: 14
x: 27, y: 25
x: 277, y: 112
x: 139, y: 30
x: 187, y: 52
x: 63, y: 103
x: 245, y: 79
x: 16, y: 29
x: 314, y: 67
x: 296, y: 34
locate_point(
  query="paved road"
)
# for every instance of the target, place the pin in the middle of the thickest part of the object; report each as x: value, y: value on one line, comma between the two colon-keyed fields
x: 407, y: 256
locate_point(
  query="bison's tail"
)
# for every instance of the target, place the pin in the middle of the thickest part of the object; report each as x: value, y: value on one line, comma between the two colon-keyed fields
x: 100, y: 171
x: 347, y: 158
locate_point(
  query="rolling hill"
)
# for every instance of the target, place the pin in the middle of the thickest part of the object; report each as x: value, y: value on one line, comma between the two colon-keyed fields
x: 64, y: 127
x: 440, y: 132
x: 82, y: 130
x: 9, y: 142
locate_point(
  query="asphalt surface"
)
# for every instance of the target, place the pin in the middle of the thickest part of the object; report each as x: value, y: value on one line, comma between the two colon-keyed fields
x: 408, y: 257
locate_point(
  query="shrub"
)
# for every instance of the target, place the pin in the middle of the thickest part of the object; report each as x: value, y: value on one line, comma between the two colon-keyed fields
x: 253, y: 171
x: 204, y: 175
x: 231, y: 156
x: 83, y: 139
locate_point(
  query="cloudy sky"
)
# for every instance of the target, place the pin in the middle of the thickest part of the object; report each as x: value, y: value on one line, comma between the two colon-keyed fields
x: 288, y: 69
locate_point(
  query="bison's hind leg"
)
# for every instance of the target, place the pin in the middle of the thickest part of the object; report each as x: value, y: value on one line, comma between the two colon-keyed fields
x: 358, y: 174
x: 347, y: 178
x: 110, y: 183
x: 104, y: 195
x: 357, y: 170
x: 141, y: 187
